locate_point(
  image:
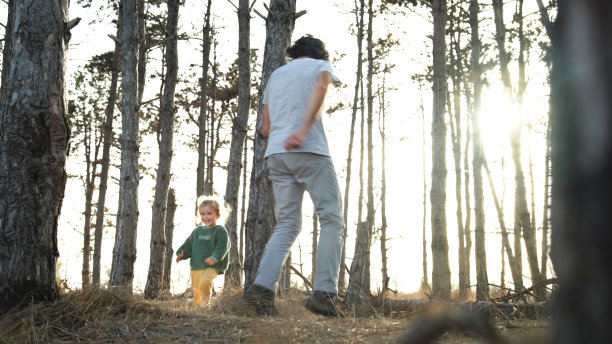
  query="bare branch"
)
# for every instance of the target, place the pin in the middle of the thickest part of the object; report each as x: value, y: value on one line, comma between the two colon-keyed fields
x: 74, y: 22
x: 261, y: 15
x: 114, y: 39
x: 230, y: 1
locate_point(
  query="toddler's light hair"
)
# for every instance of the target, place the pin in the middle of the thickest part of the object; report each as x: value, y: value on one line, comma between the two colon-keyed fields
x: 217, y: 204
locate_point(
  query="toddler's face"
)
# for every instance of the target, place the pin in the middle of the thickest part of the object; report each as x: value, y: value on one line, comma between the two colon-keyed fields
x: 209, y: 216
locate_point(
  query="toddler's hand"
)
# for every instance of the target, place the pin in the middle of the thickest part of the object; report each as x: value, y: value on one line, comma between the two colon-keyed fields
x: 210, y: 261
x: 180, y: 257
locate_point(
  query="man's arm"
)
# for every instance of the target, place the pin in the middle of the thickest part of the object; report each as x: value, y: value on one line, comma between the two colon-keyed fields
x: 314, y: 105
x: 265, y: 121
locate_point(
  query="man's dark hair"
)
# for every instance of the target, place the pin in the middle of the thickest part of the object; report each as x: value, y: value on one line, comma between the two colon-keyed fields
x: 308, y: 46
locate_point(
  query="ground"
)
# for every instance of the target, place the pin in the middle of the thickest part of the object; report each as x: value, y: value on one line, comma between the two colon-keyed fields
x: 104, y: 317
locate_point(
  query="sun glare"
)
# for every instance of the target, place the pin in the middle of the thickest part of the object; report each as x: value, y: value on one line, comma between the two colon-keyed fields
x: 498, y: 116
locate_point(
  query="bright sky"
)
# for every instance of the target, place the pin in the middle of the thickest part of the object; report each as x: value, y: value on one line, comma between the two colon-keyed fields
x: 404, y: 168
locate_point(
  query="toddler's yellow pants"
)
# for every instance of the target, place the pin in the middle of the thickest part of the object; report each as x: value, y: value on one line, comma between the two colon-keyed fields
x: 202, y: 283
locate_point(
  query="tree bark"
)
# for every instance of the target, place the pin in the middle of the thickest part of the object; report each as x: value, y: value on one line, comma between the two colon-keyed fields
x: 425, y: 287
x: 260, y: 216
x: 359, y: 12
x: 315, y: 241
x: 383, y: 196
x: 158, y: 239
x: 91, y: 165
x: 441, y: 287
x: 169, y: 231
x: 233, y: 274
x: 124, y: 251
x: 143, y: 49
x: 482, y: 280
x: 105, y: 163
x: 34, y: 134
x: 206, y: 42
x: 456, y: 67
x: 359, y: 274
x: 582, y: 171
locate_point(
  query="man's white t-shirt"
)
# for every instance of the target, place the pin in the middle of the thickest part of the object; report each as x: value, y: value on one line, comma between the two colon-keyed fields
x: 287, y: 94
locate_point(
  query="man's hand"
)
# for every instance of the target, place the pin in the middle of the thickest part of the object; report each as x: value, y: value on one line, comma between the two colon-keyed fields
x: 296, y: 140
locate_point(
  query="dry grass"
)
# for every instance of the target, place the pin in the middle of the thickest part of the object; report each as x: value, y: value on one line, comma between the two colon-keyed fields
x: 105, y: 317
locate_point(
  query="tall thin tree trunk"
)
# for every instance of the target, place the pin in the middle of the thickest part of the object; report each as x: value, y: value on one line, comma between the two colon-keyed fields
x: 213, y: 138
x: 425, y: 287
x: 546, y: 207
x: 169, y: 232
x: 243, y: 202
x: 457, y: 70
x: 158, y: 243
x: 383, y: 195
x: 359, y: 274
x: 514, y: 267
x: 91, y: 164
x: 142, y: 50
x: 482, y: 279
x: 233, y: 273
x: 359, y: 13
x: 260, y: 216
x: 124, y: 251
x: 370, y: 146
x: 315, y: 241
x: 108, y: 140
x: 34, y: 138
x: 206, y: 42
x: 468, y: 202
x: 441, y: 287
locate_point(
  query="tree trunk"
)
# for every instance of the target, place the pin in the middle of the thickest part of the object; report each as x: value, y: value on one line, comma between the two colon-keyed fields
x: 582, y: 171
x: 108, y: 140
x: 213, y: 137
x: 482, y: 280
x: 466, y: 187
x: 34, y: 135
x: 383, y: 196
x: 359, y: 13
x: 233, y: 274
x: 359, y: 274
x: 546, y: 206
x: 206, y: 42
x: 523, y: 223
x: 456, y: 67
x: 91, y: 164
x: 514, y: 266
x: 124, y: 251
x: 158, y: 217
x: 260, y: 216
x: 169, y: 232
x: 315, y: 241
x: 441, y: 287
x: 243, y: 203
x: 425, y: 287
x: 143, y: 50
x: 369, y: 223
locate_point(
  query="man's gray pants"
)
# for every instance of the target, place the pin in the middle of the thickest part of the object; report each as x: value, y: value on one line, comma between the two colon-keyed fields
x: 291, y: 175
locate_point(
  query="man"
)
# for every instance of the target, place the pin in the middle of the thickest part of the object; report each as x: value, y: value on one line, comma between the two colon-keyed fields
x: 299, y: 160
